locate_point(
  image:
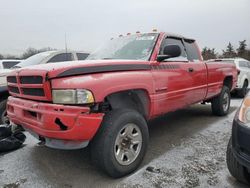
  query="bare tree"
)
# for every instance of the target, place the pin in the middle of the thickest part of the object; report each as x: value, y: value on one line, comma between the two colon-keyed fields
x: 32, y: 51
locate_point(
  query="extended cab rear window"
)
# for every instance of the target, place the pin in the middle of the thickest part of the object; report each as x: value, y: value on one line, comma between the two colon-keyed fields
x: 175, y: 41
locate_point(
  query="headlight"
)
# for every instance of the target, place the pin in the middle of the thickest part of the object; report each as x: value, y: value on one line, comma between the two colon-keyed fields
x: 72, y: 96
x: 244, y: 113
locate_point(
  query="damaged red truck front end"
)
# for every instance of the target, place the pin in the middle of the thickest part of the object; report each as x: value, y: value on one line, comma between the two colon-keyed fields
x: 60, y: 126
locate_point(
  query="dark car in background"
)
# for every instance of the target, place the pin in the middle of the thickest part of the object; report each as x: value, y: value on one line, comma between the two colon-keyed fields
x: 238, y: 150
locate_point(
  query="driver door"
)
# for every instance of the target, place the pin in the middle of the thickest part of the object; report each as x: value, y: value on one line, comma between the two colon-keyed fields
x: 174, y: 80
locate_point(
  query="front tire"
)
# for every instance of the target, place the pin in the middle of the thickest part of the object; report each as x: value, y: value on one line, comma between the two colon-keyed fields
x: 221, y: 103
x: 235, y: 168
x: 121, y: 142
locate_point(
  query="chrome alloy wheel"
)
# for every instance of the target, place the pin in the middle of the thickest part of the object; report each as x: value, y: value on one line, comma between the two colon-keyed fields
x: 225, y: 101
x: 128, y: 144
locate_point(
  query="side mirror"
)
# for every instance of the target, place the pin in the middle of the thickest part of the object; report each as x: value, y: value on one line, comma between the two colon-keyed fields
x: 169, y: 52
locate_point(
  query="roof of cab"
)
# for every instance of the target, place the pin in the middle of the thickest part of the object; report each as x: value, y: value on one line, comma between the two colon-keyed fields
x: 178, y: 36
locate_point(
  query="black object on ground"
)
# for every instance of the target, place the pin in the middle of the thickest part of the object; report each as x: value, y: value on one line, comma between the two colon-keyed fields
x: 10, y: 140
x: 153, y: 169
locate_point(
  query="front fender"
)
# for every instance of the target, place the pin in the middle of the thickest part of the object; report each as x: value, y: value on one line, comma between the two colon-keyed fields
x: 104, y: 84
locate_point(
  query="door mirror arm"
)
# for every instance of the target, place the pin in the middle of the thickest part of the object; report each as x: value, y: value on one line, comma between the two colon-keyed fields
x: 161, y: 58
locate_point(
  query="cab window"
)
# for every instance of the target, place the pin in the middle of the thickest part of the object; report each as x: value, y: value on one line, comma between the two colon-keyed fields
x: 82, y: 56
x: 61, y: 57
x: 175, y: 41
x: 191, y: 49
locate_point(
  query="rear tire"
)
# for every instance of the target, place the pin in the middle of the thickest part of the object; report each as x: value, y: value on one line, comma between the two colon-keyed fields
x: 115, y: 151
x: 243, y: 91
x: 3, y: 112
x: 221, y: 103
x: 236, y: 169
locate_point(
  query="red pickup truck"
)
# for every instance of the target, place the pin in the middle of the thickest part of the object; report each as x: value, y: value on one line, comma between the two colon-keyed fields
x: 106, y: 100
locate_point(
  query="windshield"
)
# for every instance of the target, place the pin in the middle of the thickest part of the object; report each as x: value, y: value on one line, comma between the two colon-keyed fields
x: 132, y: 47
x: 33, y: 60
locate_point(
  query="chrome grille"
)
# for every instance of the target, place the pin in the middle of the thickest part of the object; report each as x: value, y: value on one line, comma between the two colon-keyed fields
x: 13, y: 89
x: 29, y: 85
x: 33, y: 91
x: 11, y: 79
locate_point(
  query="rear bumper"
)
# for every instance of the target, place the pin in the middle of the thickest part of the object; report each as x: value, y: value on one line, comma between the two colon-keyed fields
x: 241, y: 143
x: 55, y: 123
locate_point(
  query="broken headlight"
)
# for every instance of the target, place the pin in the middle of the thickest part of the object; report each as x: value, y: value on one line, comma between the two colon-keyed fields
x: 72, y: 96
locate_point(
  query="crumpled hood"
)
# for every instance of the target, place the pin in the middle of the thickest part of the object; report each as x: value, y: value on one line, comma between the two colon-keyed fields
x: 72, y: 68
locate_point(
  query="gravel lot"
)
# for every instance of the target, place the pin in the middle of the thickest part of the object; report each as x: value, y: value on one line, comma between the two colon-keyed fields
x: 187, y: 149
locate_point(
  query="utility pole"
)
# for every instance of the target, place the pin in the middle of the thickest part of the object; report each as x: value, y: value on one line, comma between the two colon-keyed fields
x: 65, y: 41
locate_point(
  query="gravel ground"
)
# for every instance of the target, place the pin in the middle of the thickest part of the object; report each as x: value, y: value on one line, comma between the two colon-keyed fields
x: 187, y: 149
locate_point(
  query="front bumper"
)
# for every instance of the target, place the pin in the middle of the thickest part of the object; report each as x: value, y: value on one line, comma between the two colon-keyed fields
x: 56, y: 124
x: 241, y: 143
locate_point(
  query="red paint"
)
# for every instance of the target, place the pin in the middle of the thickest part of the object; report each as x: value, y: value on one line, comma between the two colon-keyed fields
x: 168, y: 89
x: 81, y: 125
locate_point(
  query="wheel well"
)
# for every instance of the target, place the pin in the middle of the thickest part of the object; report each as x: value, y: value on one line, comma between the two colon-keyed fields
x: 4, y: 95
x: 136, y: 99
x: 228, y: 81
x: 246, y: 80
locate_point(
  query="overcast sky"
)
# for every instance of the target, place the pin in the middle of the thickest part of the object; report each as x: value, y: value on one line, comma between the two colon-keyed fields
x: 89, y: 23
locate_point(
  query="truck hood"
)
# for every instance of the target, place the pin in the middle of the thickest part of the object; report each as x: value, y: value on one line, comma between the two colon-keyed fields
x: 71, y: 68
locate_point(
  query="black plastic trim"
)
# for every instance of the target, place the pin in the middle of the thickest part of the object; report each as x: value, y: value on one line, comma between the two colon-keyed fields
x: 104, y: 68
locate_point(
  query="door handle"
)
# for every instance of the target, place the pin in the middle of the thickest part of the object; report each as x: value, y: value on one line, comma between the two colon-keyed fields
x: 190, y: 69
